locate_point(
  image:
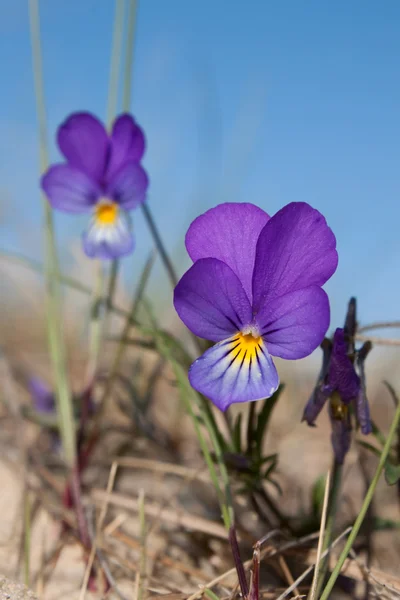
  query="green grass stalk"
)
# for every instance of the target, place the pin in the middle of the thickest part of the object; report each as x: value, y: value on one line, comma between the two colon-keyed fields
x: 54, y: 314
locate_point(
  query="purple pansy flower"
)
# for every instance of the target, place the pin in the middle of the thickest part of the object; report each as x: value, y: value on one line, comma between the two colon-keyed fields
x: 340, y: 383
x: 255, y: 289
x: 102, y: 176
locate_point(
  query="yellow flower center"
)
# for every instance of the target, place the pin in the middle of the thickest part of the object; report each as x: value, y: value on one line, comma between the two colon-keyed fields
x: 248, y: 346
x: 106, y: 213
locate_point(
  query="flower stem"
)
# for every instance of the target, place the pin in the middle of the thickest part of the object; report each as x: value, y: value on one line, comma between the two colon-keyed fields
x: 364, y: 508
x: 95, y: 327
x: 54, y: 317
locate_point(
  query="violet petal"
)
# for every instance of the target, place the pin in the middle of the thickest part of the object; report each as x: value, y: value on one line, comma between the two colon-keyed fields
x: 84, y: 142
x: 295, y: 250
x: 314, y: 405
x: 228, y: 232
x: 127, y: 144
x: 69, y: 189
x: 294, y: 325
x: 226, y: 374
x: 128, y: 186
x: 211, y: 301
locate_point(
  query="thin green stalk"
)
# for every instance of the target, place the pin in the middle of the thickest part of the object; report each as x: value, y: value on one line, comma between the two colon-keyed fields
x: 130, y: 42
x: 115, y: 68
x: 54, y: 317
x: 337, y: 472
x: 74, y: 284
x: 95, y: 327
x: 188, y: 395
x: 368, y: 498
x: 130, y: 319
x: 115, y: 64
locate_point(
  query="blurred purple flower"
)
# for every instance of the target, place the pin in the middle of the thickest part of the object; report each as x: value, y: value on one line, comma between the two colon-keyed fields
x: 102, y: 176
x: 42, y: 396
x: 255, y: 289
x: 340, y: 383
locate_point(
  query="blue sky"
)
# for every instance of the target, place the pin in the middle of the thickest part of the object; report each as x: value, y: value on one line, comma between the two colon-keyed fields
x: 260, y: 101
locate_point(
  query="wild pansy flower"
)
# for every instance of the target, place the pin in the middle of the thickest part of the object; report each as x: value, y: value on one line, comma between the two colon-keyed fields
x: 255, y: 289
x: 344, y: 387
x: 102, y: 176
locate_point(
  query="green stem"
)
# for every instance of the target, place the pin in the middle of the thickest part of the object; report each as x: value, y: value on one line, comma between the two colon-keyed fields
x: 337, y: 472
x: 95, y: 327
x: 364, y: 508
x: 54, y: 317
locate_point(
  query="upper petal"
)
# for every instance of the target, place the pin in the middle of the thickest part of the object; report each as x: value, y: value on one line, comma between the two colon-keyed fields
x: 227, y: 374
x: 211, y: 301
x: 296, y: 249
x: 228, y: 232
x: 127, y: 144
x: 70, y: 189
x: 84, y: 142
x: 128, y: 186
x: 295, y: 324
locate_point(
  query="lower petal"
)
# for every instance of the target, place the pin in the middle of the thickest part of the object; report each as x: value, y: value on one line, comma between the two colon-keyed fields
x: 70, y: 189
x: 128, y: 186
x: 227, y: 373
x: 109, y: 241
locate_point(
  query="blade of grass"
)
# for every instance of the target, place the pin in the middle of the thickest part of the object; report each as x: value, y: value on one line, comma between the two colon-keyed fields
x: 337, y: 472
x: 54, y: 317
x: 367, y: 500
x: 115, y: 64
x: 112, y: 108
x: 322, y: 543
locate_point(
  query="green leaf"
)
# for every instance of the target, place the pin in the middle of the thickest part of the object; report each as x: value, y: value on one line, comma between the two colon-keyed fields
x: 369, y: 447
x: 378, y: 434
x: 392, y: 473
x: 264, y: 416
x: 380, y: 524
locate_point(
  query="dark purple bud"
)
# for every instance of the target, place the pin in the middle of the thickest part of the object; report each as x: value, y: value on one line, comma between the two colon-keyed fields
x: 342, y: 375
x: 43, y: 398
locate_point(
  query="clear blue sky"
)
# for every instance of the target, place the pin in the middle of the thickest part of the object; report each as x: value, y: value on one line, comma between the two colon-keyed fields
x: 260, y: 101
